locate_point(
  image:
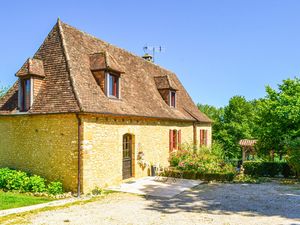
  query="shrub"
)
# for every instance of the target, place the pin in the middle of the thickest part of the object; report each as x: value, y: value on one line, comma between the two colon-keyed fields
x: 203, y: 160
x: 37, y: 184
x: 243, y: 178
x: 268, y: 169
x: 192, y: 174
x: 203, y: 163
x: 293, y: 156
x: 55, y: 188
x: 21, y: 181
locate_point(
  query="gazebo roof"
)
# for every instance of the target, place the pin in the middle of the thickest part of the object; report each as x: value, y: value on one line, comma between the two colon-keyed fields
x: 247, y: 142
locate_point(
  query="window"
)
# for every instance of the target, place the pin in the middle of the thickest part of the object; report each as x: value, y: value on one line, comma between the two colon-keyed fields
x: 113, y: 85
x: 25, y: 95
x: 175, y: 139
x: 203, y: 137
x: 173, y: 99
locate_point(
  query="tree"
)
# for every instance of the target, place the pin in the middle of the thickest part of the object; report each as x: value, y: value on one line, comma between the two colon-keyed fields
x: 232, y: 123
x: 279, y: 117
x: 3, y: 90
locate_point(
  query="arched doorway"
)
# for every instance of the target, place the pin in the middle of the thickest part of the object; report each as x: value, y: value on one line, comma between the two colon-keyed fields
x: 127, y: 156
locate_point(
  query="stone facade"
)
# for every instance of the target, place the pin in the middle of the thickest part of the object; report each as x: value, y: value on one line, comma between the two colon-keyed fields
x: 47, y: 145
x: 102, y: 146
x: 41, y: 144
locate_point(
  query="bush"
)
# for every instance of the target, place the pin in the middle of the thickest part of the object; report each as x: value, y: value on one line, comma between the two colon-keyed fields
x: 55, y: 188
x: 267, y: 169
x: 204, y: 163
x: 243, y: 178
x: 192, y: 174
x: 293, y: 156
x: 203, y: 160
x: 21, y: 181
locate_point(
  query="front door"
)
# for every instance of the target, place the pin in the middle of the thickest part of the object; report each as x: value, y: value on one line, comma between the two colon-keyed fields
x: 127, y: 156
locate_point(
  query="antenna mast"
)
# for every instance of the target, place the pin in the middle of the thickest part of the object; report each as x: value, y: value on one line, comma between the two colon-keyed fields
x: 147, y: 48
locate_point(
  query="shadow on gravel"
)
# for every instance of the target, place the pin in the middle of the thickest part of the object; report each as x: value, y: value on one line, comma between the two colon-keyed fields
x: 267, y: 199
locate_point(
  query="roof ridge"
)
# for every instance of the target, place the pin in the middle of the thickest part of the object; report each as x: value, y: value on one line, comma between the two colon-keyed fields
x: 125, y: 50
x: 64, y: 47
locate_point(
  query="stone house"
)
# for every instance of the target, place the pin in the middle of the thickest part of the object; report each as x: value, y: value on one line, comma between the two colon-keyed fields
x: 83, y: 111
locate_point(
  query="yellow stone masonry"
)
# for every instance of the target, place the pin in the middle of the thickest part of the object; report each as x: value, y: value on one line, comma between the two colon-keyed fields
x: 102, y: 146
x: 47, y: 145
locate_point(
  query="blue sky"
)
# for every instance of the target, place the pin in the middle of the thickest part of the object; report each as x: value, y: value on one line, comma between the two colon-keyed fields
x: 217, y: 48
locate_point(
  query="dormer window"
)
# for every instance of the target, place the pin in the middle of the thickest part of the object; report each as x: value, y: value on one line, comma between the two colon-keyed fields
x: 31, y: 77
x: 113, y: 85
x: 173, y: 99
x: 107, y: 73
x: 167, y: 89
x: 25, y: 94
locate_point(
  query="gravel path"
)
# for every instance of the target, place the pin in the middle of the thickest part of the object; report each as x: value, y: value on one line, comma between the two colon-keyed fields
x: 268, y: 203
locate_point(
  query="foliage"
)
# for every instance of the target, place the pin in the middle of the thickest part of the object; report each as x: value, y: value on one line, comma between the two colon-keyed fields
x: 55, y: 188
x: 279, y: 117
x: 20, y: 181
x: 269, y: 169
x: 244, y: 178
x: 14, y: 200
x: 3, y: 90
x: 293, y: 156
x: 201, y: 161
x: 206, y: 176
x: 232, y: 123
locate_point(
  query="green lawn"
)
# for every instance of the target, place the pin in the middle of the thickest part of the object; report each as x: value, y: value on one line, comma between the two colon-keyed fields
x: 10, y: 200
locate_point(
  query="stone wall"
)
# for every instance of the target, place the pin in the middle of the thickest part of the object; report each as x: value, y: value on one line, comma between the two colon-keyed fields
x: 45, y: 145
x: 102, y: 146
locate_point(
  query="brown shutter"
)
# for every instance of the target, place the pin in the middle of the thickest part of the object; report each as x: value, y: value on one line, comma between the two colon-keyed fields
x: 201, y: 137
x: 171, y: 140
x: 205, y: 139
x: 179, y: 139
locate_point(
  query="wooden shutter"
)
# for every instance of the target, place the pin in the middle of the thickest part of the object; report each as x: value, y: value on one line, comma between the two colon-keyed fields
x: 179, y: 139
x: 205, y: 137
x: 170, y: 140
x: 201, y: 137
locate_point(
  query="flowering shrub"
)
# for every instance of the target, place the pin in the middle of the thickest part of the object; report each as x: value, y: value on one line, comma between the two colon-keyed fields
x: 203, y: 160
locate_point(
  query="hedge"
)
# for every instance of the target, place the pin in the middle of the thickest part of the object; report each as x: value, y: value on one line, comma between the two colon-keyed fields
x: 191, y: 174
x: 267, y: 169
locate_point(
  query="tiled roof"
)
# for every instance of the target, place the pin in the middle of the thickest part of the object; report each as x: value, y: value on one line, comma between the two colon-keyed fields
x: 71, y: 87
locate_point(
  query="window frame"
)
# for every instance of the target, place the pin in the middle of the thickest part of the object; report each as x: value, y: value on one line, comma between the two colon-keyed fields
x: 115, y: 78
x: 26, y: 94
x: 171, y: 99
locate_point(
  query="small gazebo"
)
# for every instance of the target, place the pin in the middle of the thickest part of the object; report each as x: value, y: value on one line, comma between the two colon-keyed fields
x: 247, y: 148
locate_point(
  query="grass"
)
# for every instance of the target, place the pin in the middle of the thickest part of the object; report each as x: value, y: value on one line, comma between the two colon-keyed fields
x: 14, y: 200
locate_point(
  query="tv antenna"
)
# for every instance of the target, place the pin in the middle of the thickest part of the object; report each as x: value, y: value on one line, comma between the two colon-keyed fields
x: 151, y: 50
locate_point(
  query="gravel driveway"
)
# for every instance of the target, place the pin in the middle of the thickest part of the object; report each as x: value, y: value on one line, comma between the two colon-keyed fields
x: 267, y: 203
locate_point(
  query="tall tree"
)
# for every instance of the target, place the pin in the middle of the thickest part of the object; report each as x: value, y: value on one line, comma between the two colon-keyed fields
x: 279, y: 116
x: 232, y: 123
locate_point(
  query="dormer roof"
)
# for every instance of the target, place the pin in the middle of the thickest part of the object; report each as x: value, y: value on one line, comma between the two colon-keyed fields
x: 32, y: 67
x: 165, y: 82
x: 104, y: 61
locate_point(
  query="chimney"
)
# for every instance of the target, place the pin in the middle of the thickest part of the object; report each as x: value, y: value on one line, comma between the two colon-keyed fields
x: 148, y: 57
